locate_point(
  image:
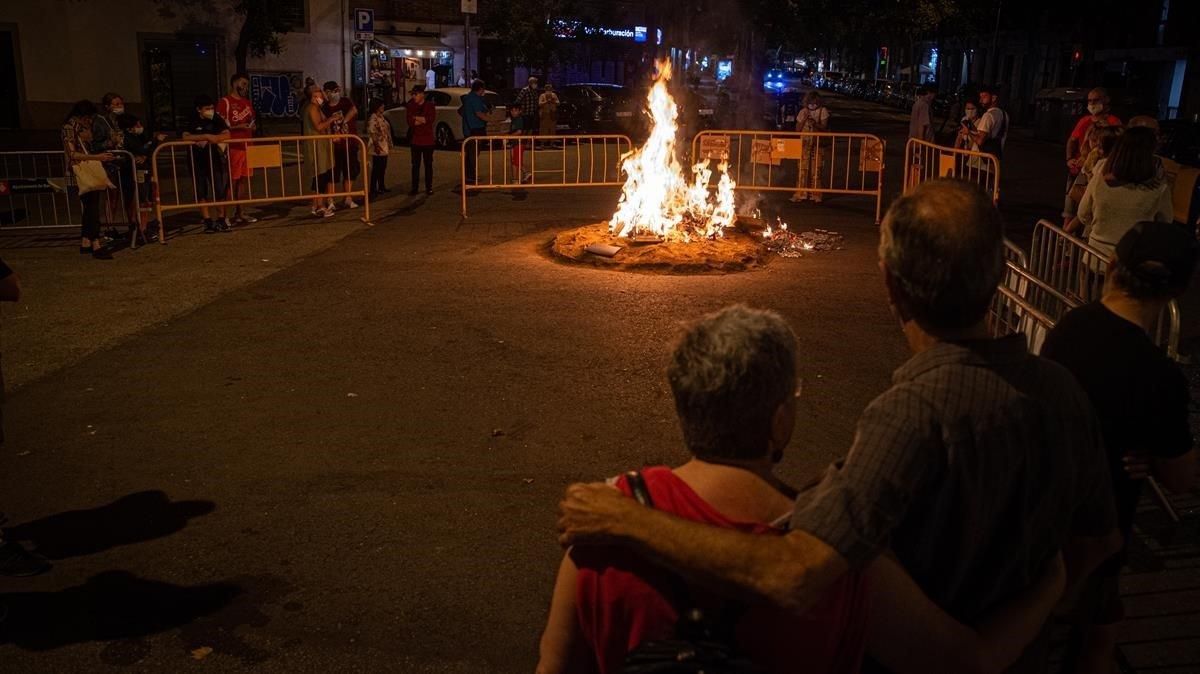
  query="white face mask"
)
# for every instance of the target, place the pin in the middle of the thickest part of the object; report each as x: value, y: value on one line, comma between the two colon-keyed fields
x: 334, y: 97
x: 972, y: 113
x: 120, y: 110
x: 319, y: 101
x: 137, y: 130
x: 813, y: 106
x: 208, y: 114
x: 1095, y: 108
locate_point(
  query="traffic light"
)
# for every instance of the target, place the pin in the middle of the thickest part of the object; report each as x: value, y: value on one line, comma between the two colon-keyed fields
x: 1076, y: 56
x: 883, y: 55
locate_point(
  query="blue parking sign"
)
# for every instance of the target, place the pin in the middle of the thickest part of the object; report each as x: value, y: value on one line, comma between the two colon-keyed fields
x: 364, y: 20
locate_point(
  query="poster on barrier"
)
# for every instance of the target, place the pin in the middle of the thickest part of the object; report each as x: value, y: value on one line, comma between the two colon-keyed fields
x: 714, y: 147
x: 787, y: 148
x: 946, y: 166
x: 760, y: 153
x: 870, y: 155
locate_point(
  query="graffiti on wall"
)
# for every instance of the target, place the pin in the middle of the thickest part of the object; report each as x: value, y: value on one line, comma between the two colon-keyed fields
x: 276, y: 94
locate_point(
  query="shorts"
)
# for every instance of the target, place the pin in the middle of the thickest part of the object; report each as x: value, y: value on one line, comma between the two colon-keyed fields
x: 217, y: 178
x: 345, y: 163
x: 321, y: 181
x: 238, y: 166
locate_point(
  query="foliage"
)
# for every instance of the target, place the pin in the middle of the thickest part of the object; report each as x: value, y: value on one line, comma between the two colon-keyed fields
x: 262, y: 23
x: 528, y: 28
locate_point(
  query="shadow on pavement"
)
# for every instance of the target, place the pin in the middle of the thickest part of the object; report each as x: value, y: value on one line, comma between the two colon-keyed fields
x: 109, y: 606
x: 135, y: 518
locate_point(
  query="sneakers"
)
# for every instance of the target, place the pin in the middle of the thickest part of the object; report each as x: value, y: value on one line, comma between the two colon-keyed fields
x: 243, y: 219
x: 322, y: 212
x: 217, y: 226
x: 350, y: 203
x: 18, y: 562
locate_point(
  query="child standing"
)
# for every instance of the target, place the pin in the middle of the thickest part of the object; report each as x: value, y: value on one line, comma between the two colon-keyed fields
x: 379, y: 132
x: 518, y: 154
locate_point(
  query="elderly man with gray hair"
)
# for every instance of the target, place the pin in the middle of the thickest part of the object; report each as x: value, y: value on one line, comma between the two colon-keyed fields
x: 975, y: 468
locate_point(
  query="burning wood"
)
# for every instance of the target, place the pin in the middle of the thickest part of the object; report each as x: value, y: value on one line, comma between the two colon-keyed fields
x: 657, y: 199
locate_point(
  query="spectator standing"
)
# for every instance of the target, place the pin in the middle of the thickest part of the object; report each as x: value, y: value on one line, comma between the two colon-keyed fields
x: 1141, y: 396
x: 346, y: 160
x: 527, y: 98
x: 812, y: 117
x: 920, y: 124
x: 976, y: 466
x: 421, y: 114
x: 517, y: 128
x: 1082, y: 141
x: 238, y: 112
x: 1124, y: 190
x: 991, y: 133
x: 141, y: 145
x: 77, y: 141
x: 548, y: 110
x: 733, y: 376
x: 108, y: 137
x: 317, y: 154
x: 475, y: 112
x: 379, y: 133
x: 209, y: 170
x: 15, y: 560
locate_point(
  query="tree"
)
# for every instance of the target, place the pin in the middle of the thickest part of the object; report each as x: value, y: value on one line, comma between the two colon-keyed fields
x: 531, y: 29
x: 260, y: 24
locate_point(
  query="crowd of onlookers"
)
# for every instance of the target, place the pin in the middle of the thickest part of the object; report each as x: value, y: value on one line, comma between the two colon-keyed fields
x: 987, y: 489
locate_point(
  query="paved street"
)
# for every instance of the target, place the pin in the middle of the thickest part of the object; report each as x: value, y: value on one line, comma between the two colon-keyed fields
x: 326, y: 446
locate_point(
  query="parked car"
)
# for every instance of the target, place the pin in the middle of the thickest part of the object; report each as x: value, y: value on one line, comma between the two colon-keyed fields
x: 448, y: 125
x: 599, y: 108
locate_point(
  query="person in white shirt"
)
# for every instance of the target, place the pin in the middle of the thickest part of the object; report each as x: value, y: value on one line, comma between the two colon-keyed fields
x: 813, y: 117
x: 1124, y: 191
x: 991, y: 133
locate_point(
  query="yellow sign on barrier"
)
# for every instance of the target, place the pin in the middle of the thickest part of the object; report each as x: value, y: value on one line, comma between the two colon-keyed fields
x: 264, y: 156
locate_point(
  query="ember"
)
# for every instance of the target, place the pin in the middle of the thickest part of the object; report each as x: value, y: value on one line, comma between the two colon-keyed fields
x: 657, y: 199
x: 784, y: 243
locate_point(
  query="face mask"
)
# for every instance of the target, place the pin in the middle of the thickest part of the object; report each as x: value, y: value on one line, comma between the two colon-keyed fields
x: 208, y: 114
x: 120, y: 110
x: 1095, y: 108
x: 972, y: 114
x: 137, y: 130
x: 813, y: 106
x: 242, y: 89
x: 319, y: 101
x: 334, y: 97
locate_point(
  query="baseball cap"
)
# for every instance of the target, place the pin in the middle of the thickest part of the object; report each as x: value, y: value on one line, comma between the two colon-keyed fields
x: 1159, y: 252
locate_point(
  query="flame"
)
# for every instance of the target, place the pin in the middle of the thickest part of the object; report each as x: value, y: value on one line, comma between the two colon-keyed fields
x: 657, y: 199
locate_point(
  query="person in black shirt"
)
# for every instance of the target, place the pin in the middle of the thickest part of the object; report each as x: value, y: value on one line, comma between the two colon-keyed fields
x: 209, y: 167
x: 1141, y: 397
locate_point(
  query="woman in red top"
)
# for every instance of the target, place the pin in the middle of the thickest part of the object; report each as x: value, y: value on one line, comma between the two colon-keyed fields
x: 733, y: 378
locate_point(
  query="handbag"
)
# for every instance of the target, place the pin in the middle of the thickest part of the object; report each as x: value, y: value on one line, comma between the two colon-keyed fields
x: 90, y: 176
x: 703, y: 641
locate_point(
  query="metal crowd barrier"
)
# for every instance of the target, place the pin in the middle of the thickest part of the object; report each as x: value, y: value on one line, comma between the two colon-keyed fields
x: 1011, y: 313
x: 1077, y: 270
x: 535, y: 162
x: 279, y: 173
x: 38, y: 191
x: 817, y: 163
x: 925, y: 161
x: 1015, y: 254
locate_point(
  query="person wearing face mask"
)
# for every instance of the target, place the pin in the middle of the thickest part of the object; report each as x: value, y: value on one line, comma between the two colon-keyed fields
x: 108, y: 137
x: 346, y: 164
x: 235, y: 108
x: 207, y: 131
x: 813, y: 117
x: 1082, y: 141
x: 966, y: 127
x: 317, y: 154
x: 141, y: 145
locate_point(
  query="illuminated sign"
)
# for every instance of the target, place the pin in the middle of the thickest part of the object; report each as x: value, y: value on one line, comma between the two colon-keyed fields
x: 639, y: 33
x: 569, y: 28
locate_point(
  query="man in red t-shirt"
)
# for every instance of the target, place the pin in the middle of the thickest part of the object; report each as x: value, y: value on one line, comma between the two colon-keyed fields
x: 346, y: 164
x: 1079, y: 143
x: 237, y: 111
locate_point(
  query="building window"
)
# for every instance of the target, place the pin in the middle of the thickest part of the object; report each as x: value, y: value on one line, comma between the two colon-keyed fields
x: 295, y: 13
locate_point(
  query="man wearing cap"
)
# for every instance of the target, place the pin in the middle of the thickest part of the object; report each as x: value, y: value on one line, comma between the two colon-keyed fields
x: 421, y: 115
x: 1140, y: 394
x: 527, y: 98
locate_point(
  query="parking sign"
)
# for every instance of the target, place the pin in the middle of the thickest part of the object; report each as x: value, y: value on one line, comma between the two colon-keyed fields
x: 364, y: 21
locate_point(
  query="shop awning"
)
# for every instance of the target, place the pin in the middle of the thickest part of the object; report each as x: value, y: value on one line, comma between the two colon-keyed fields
x: 413, y: 45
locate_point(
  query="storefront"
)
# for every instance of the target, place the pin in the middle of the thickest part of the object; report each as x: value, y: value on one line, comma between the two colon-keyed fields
x: 397, y: 62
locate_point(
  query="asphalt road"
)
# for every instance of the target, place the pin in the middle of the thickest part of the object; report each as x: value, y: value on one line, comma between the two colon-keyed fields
x: 350, y: 460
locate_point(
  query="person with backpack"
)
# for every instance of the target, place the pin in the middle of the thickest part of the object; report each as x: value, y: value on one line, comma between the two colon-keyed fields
x: 733, y: 376
x: 991, y: 133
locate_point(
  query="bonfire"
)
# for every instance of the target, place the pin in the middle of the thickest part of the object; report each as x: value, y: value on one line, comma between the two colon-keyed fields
x: 659, y: 201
